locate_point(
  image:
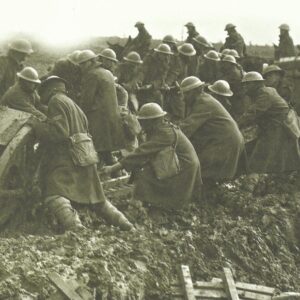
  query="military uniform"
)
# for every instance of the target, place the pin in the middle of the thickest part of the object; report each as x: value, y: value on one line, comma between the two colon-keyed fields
x: 141, y: 44
x: 215, y: 137
x: 274, y: 150
x: 209, y: 71
x: 286, y: 47
x: 171, y: 193
x: 62, y: 177
x: 17, y: 98
x: 99, y: 102
x: 65, y: 69
x: 8, y: 72
x: 191, y: 36
x: 235, y: 41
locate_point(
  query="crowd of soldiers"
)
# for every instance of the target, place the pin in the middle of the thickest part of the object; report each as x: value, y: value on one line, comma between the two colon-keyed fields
x: 173, y: 114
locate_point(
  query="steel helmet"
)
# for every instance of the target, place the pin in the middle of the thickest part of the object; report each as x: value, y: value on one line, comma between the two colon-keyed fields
x: 225, y: 52
x: 29, y: 74
x: 272, y: 68
x: 86, y: 55
x: 284, y: 27
x: 229, y: 59
x: 137, y: 24
x: 169, y: 39
x: 163, y: 48
x: 109, y: 54
x: 133, y: 57
x: 150, y: 111
x: 51, y: 79
x: 21, y: 45
x: 190, y: 83
x: 212, y: 55
x: 73, y: 57
x: 189, y: 24
x: 229, y: 26
x: 221, y: 87
x: 252, y: 76
x: 187, y: 49
x: 233, y: 53
x: 201, y: 41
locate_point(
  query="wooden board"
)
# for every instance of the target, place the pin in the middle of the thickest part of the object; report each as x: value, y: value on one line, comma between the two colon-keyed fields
x: 187, y: 283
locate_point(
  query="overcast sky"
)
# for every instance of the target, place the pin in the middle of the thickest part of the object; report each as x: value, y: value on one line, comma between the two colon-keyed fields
x: 61, y: 22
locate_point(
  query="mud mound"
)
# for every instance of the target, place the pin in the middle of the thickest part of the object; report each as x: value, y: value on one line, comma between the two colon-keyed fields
x: 255, y: 235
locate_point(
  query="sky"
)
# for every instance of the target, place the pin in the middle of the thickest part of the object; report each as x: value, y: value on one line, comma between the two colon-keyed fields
x: 63, y: 22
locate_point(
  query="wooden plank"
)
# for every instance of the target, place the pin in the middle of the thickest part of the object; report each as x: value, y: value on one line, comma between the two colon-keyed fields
x: 217, y: 283
x: 64, y: 287
x: 229, y: 283
x: 187, y: 283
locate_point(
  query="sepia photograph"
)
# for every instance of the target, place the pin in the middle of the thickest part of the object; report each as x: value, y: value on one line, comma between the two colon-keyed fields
x: 149, y: 150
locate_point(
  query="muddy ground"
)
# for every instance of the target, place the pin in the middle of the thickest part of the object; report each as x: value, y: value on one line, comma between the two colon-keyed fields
x: 254, y: 232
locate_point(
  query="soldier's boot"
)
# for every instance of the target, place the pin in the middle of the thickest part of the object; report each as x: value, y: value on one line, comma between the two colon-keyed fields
x: 66, y: 216
x: 114, y: 217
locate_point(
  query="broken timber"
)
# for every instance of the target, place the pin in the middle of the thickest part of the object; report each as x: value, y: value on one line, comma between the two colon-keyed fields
x: 218, y: 289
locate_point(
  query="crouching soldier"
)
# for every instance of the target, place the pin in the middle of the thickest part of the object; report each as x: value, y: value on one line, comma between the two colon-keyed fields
x: 166, y: 167
x: 69, y: 167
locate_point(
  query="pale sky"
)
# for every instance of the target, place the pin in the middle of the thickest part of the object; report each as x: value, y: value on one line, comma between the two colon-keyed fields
x: 61, y: 22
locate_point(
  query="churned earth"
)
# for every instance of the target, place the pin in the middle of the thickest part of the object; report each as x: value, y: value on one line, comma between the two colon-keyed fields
x: 251, y: 226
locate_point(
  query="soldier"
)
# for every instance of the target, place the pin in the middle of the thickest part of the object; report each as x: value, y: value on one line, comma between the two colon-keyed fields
x: 275, y: 77
x: 141, y: 43
x: 221, y: 91
x: 68, y: 69
x: 155, y: 70
x: 99, y: 102
x: 212, y: 131
x: 286, y: 45
x: 177, y: 189
x: 69, y: 164
x: 192, y: 32
x: 234, y: 40
x: 275, y: 150
x: 23, y: 94
x: 209, y: 70
x: 12, y: 63
x: 201, y: 46
x: 187, y: 56
x: 232, y: 73
x: 129, y: 76
x: 108, y: 59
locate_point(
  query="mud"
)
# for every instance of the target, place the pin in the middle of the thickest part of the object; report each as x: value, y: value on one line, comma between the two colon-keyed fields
x: 250, y: 225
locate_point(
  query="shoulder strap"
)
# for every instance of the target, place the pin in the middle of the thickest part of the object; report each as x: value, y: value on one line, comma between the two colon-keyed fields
x: 176, y: 138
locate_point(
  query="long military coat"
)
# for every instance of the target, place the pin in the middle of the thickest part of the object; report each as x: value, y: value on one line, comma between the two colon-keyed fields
x: 235, y: 41
x: 274, y: 150
x: 17, y: 98
x: 171, y: 193
x: 65, y: 69
x: 286, y: 46
x: 99, y: 102
x: 215, y: 137
x: 61, y: 176
x: 8, y: 72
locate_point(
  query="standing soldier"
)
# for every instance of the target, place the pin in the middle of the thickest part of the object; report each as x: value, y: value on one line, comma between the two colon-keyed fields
x: 23, y: 94
x: 70, y: 174
x: 275, y: 77
x: 276, y: 149
x: 108, y: 59
x: 192, y: 32
x: 212, y: 131
x: 99, y: 102
x: 234, y: 40
x: 141, y: 43
x: 68, y: 69
x: 155, y: 70
x: 128, y: 74
x: 209, y: 70
x: 12, y: 63
x: 201, y: 46
x: 286, y: 45
x: 232, y: 73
